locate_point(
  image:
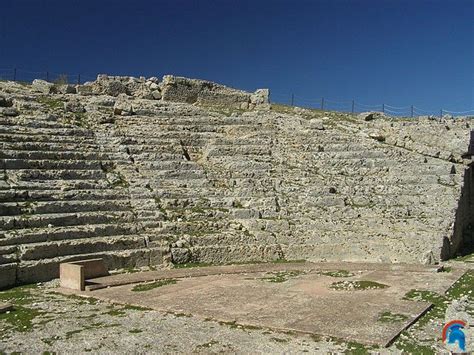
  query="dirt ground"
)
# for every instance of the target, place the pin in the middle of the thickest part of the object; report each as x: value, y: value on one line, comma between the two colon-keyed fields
x: 211, y: 314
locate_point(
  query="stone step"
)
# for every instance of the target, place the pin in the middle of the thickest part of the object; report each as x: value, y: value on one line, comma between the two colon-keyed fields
x: 54, y: 195
x: 17, y: 130
x: 226, y: 239
x: 62, y: 185
x: 8, y: 254
x: 144, y: 150
x: 232, y: 253
x: 34, y: 122
x: 197, y: 226
x: 23, y: 164
x: 197, y: 129
x: 38, y: 175
x: 142, y: 156
x: 50, y: 207
x: 48, y: 250
x: 63, y: 155
x: 64, y: 219
x: 240, y: 150
x: 188, y: 138
x: 363, y: 226
x: 374, y: 180
x: 47, y: 269
x: 46, y: 138
x: 157, y: 166
x: 40, y: 235
x: 183, y: 121
x: 45, y: 147
x: 163, y: 175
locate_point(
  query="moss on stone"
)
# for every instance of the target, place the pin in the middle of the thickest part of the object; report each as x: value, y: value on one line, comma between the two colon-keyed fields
x: 281, y: 276
x: 152, y: 285
x: 389, y: 317
x: 357, y: 285
x: 21, y: 317
x: 337, y: 273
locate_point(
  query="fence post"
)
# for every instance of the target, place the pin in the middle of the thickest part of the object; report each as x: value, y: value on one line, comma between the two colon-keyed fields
x: 78, y: 79
x: 322, y: 103
x: 383, y: 108
x: 441, y: 113
x: 47, y: 76
x: 353, y: 104
x: 292, y: 99
x: 411, y: 111
x: 14, y: 74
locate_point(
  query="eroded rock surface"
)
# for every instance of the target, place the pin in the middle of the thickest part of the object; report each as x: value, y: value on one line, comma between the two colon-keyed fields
x: 142, y: 172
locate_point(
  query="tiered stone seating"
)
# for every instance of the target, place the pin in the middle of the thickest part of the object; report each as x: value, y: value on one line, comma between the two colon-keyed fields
x: 174, y: 182
x: 57, y: 204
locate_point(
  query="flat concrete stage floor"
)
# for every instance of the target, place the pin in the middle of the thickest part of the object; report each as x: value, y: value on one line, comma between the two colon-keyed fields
x: 317, y: 298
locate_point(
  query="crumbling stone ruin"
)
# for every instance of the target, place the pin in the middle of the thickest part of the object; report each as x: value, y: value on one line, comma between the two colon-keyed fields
x: 144, y: 172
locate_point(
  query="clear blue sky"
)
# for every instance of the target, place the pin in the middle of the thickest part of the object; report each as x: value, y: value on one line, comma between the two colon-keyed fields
x: 400, y: 52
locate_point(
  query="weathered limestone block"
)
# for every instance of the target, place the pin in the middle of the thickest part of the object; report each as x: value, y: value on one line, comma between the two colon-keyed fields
x: 106, y: 85
x: 74, y: 106
x: 180, y: 255
x: 5, y: 101
x: 316, y: 124
x: 9, y: 111
x: 191, y: 91
x: 66, y: 89
x: 43, y: 86
x: 72, y: 276
x: 7, y: 275
x: 156, y: 94
x: 5, y: 307
x: 260, y: 97
x: 370, y: 116
x: 85, y: 90
x: 123, y: 106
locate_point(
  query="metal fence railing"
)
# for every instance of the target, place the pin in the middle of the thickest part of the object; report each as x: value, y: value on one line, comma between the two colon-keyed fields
x: 353, y: 106
x: 22, y: 75
x: 322, y: 103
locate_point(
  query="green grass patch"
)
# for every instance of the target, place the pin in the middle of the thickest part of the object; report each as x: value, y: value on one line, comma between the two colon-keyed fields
x: 446, y: 269
x: 130, y: 307
x: 279, y: 340
x: 21, y: 317
x: 207, y: 345
x: 135, y: 331
x: 114, y: 312
x: 80, y: 300
x: 410, y: 346
x: 98, y: 325
x: 119, y: 182
x: 357, y: 285
x: 389, y: 317
x: 51, y: 103
x: 337, y: 273
x: 469, y: 258
x: 284, y: 261
x: 281, y: 276
x: 437, y: 313
x: 152, y: 285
